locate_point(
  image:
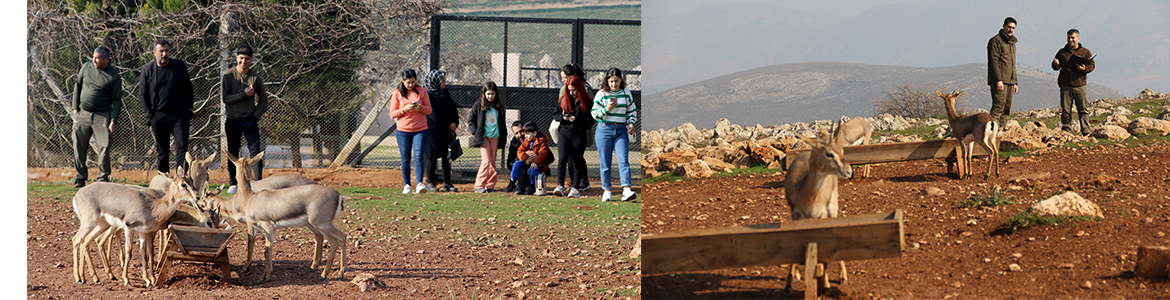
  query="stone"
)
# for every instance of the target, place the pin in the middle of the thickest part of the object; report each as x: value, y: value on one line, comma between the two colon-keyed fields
x: 1015, y: 268
x: 636, y: 252
x: 933, y: 191
x: 367, y: 282
x: 1067, y: 204
x: 1152, y: 262
x: 1163, y: 115
x: 723, y: 128
x: 717, y: 165
x: 941, y: 131
x: 767, y: 154
x: 1121, y: 110
x: 694, y: 169
x: 1111, y: 132
x: 672, y: 160
x: 1087, y: 285
x: 1016, y: 137
x: 1152, y: 126
x: 1118, y: 120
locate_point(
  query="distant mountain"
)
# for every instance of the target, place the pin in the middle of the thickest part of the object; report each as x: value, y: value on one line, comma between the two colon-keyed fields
x: 1128, y: 36
x: 805, y: 92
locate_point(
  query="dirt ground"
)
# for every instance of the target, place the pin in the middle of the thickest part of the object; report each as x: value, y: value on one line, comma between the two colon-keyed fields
x: 950, y: 252
x: 422, y: 258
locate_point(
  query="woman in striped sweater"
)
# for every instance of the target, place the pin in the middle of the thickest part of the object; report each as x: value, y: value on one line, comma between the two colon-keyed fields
x: 615, y: 112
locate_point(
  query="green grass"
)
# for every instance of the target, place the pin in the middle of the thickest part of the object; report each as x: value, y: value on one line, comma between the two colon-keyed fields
x: 500, y: 207
x: 1026, y: 219
x: 994, y: 197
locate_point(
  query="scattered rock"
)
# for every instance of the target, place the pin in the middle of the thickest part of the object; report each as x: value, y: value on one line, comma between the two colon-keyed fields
x: 1151, y: 125
x: 367, y: 282
x: 1087, y: 285
x: 1065, y: 266
x: 1111, y: 132
x: 1015, y: 268
x: 1067, y: 204
x: 933, y: 191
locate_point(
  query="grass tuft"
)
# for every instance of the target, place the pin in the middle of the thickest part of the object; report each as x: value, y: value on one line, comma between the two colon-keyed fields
x: 993, y: 198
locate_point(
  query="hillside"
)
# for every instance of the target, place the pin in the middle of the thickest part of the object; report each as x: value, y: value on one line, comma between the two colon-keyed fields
x: 803, y: 92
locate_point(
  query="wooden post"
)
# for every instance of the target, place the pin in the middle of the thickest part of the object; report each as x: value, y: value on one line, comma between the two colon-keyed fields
x: 838, y: 239
x: 1152, y: 262
x: 810, y: 272
x: 893, y: 152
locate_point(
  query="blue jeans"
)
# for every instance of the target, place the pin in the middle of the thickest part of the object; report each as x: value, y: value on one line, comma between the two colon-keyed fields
x: 408, y: 143
x: 612, y: 138
x: 520, y: 166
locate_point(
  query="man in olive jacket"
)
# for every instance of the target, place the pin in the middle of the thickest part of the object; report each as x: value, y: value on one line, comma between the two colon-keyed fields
x: 245, y: 102
x: 96, y: 102
x: 1074, y: 62
x: 1001, y: 70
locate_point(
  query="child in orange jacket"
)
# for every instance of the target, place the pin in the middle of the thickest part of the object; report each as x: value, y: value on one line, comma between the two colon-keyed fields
x: 533, y: 158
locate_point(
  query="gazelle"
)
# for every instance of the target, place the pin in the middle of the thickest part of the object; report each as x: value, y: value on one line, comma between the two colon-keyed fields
x: 313, y: 206
x: 979, y: 128
x: 854, y: 132
x: 811, y: 188
x: 197, y: 171
x: 220, y: 204
x: 136, y: 210
x: 184, y: 215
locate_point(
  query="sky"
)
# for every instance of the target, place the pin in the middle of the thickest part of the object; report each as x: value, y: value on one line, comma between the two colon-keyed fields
x: 921, y: 33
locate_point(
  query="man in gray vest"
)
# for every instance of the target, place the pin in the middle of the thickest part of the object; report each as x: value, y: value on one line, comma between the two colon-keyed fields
x: 245, y: 102
x: 96, y: 102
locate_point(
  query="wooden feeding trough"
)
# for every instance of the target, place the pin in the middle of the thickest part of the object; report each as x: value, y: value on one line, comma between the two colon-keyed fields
x: 893, y: 152
x: 190, y: 243
x: 797, y: 242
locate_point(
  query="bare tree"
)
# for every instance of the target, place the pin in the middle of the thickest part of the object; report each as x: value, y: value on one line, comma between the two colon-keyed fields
x: 316, y: 58
x: 909, y: 100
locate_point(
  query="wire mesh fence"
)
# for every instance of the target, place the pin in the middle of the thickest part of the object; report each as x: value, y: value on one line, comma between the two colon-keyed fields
x: 320, y: 63
x: 524, y: 57
x: 320, y: 87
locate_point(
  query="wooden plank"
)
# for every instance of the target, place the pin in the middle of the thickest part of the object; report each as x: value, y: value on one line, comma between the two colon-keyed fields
x: 892, y: 152
x: 810, y: 272
x: 846, y: 238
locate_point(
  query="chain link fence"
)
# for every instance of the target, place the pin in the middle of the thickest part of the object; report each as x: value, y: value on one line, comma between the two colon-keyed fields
x: 524, y: 57
x: 320, y: 63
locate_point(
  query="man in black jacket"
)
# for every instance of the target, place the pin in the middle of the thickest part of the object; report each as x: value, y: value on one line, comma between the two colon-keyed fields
x: 164, y: 86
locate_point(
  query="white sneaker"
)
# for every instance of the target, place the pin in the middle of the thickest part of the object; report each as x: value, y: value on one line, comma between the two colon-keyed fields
x: 406, y: 189
x: 628, y: 194
x: 231, y: 190
x: 606, y: 196
x: 559, y: 191
x: 573, y: 193
x: 420, y: 189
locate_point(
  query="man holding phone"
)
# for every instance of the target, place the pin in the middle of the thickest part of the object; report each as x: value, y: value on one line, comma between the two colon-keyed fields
x: 245, y: 102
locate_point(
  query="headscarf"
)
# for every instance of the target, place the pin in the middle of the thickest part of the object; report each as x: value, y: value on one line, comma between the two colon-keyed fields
x: 567, y: 100
x: 433, y: 79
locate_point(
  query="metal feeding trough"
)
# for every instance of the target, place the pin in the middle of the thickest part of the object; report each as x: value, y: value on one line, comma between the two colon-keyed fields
x: 190, y: 243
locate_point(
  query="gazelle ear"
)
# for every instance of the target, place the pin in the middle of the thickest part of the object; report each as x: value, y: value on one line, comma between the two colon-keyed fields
x: 258, y: 156
x: 939, y: 93
x: 957, y: 93
x: 811, y: 141
x: 229, y: 156
x: 209, y: 159
x: 190, y: 158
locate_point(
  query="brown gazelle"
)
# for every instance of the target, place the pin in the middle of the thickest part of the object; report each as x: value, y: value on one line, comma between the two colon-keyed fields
x: 138, y: 211
x: 811, y: 187
x: 184, y: 215
x: 854, y: 132
x: 978, y: 128
x: 227, y: 206
x: 313, y: 206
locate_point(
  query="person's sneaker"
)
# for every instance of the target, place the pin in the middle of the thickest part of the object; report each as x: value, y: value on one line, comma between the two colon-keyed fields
x: 539, y: 191
x: 406, y: 189
x: 573, y: 193
x: 628, y: 194
x: 449, y: 188
x: 519, y: 190
x: 103, y: 179
x: 606, y: 196
x: 480, y: 190
x: 511, y: 186
x: 491, y: 190
x: 559, y: 191
x: 79, y: 183
x: 431, y: 188
x: 420, y: 188
x: 585, y: 188
x: 231, y: 190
